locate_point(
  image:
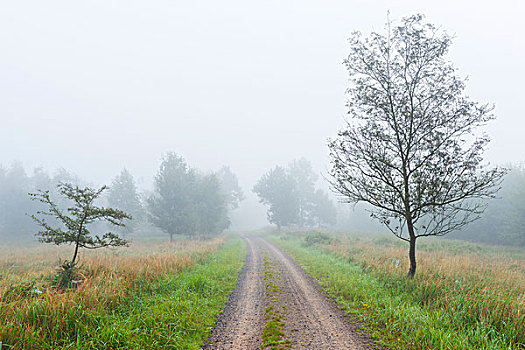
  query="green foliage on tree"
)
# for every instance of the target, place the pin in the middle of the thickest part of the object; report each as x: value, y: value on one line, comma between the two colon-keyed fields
x: 230, y: 186
x: 277, y: 189
x: 323, y: 211
x: 409, y: 149
x: 291, y: 196
x: 211, y: 206
x: 170, y: 205
x: 15, y: 183
x: 76, y: 220
x: 14, y: 203
x: 304, y: 178
x: 123, y: 194
x: 185, y: 202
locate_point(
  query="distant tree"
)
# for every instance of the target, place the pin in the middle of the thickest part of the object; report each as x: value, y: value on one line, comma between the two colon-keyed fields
x: 304, y: 178
x: 123, y: 194
x: 185, y: 202
x: 211, y: 206
x: 41, y: 179
x: 61, y: 175
x: 171, y: 205
x: 509, y: 211
x: 230, y: 186
x: 76, y: 219
x: 323, y: 211
x: 15, y: 183
x: 277, y: 190
x: 409, y: 149
x: 14, y: 203
x: 503, y: 222
x: 292, y: 198
x: 2, y: 200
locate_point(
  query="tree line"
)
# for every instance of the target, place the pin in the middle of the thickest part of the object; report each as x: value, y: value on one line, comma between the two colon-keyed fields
x: 15, y: 204
x: 184, y: 201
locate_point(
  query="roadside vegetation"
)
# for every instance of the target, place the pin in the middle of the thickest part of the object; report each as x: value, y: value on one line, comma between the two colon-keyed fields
x: 465, y: 296
x: 149, y: 296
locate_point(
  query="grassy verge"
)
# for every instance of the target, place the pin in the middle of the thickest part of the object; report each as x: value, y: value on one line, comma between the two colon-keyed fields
x: 160, y: 297
x: 464, y: 296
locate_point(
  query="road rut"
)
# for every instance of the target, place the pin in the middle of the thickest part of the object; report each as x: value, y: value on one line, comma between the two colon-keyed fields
x: 308, y: 318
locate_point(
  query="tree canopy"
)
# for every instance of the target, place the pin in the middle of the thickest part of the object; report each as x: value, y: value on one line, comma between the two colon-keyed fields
x: 15, y: 184
x: 76, y: 219
x: 123, y: 194
x: 230, y: 186
x: 292, y: 198
x: 411, y: 147
x: 277, y: 189
x: 185, y: 202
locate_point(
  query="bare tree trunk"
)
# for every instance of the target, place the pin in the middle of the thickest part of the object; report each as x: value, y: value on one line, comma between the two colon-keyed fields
x: 412, y: 250
x: 77, y: 242
x: 73, y: 261
x: 171, y: 237
x: 412, y: 256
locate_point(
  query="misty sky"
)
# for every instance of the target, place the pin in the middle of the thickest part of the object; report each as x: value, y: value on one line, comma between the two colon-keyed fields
x: 95, y: 86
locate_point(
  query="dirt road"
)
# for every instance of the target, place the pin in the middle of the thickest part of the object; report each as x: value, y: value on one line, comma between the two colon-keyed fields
x: 277, y: 298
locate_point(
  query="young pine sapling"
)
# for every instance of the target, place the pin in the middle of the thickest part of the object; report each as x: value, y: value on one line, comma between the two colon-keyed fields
x: 73, y: 222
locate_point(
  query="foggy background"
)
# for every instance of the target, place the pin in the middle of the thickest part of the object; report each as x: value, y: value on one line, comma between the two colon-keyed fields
x: 97, y: 86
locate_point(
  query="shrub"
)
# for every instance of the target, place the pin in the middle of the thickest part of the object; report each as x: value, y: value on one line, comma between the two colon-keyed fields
x: 312, y: 238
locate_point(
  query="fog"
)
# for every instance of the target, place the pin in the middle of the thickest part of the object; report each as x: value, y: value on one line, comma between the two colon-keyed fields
x: 97, y: 86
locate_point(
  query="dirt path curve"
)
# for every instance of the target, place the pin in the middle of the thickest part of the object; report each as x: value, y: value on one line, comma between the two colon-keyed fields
x: 273, y: 287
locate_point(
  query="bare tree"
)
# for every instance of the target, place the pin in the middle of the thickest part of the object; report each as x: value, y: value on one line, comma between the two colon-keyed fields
x: 410, y: 149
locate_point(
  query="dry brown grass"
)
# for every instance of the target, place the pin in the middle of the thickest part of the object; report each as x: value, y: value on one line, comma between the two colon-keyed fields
x: 450, y: 260
x: 107, y: 277
x: 478, y: 283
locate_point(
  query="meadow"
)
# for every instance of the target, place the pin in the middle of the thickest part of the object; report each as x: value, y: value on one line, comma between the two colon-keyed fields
x: 464, y: 295
x: 156, y: 295
x: 146, y: 296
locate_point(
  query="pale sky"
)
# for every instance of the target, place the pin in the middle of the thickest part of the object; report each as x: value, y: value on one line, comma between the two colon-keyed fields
x: 95, y: 86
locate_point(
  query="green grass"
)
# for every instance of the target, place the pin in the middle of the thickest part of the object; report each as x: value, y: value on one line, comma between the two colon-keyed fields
x: 273, y: 335
x: 178, y: 312
x: 452, y: 305
x: 170, y: 311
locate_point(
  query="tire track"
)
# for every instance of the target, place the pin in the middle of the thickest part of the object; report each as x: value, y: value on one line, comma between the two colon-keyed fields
x: 240, y: 326
x: 311, y: 320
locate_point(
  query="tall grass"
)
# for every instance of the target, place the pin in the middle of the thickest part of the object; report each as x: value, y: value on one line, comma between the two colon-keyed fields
x: 464, y: 296
x: 114, y: 286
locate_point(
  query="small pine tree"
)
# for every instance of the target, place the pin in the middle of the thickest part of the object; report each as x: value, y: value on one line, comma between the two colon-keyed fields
x: 123, y: 194
x: 76, y: 219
